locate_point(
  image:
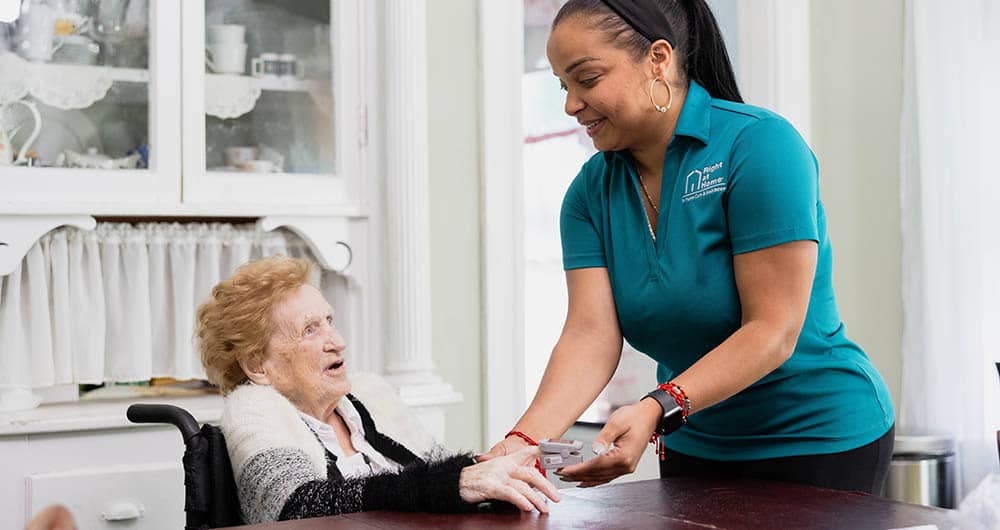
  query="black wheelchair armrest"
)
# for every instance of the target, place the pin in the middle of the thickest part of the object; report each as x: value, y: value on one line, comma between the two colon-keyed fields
x: 154, y: 413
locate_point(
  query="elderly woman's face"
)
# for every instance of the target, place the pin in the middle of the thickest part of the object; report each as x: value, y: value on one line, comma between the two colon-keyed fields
x: 304, y: 360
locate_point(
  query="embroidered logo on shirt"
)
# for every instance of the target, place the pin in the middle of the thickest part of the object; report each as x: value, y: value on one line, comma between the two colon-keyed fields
x: 701, y: 182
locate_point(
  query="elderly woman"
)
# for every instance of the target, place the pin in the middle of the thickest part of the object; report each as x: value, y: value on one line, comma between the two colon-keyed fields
x: 301, y: 443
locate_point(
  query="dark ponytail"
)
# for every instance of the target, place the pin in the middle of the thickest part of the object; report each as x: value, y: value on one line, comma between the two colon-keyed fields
x: 706, y: 58
x: 697, y: 40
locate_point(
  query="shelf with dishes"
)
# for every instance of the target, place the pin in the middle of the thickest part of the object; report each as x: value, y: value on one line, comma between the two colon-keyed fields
x: 66, y: 86
x: 74, y: 71
x: 230, y: 96
x: 104, y: 135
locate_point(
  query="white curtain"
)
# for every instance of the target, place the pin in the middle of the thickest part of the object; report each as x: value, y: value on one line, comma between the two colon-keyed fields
x: 951, y: 228
x: 118, y: 303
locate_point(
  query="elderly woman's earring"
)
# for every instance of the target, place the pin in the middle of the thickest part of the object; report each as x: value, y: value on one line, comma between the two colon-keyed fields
x: 670, y: 95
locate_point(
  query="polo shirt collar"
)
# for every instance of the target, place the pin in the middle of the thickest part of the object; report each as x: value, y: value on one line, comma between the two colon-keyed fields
x: 695, y: 120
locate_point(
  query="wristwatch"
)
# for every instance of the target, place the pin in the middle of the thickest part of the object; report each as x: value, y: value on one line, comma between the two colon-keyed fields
x: 673, y: 414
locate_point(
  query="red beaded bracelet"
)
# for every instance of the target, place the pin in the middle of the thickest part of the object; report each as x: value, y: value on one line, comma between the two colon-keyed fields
x: 680, y: 397
x: 530, y: 441
x: 521, y: 435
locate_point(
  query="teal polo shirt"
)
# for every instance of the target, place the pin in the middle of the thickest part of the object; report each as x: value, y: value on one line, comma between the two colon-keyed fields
x: 736, y: 179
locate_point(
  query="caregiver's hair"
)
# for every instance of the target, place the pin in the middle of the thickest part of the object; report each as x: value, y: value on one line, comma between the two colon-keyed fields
x: 697, y: 39
x: 235, y: 323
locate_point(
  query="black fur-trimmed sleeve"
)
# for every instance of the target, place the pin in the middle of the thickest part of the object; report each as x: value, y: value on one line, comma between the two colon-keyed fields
x: 418, y: 487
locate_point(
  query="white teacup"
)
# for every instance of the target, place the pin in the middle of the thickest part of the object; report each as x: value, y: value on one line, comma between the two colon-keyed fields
x: 238, y: 155
x: 226, y: 34
x: 226, y: 58
x: 289, y: 66
x: 76, y: 49
x: 267, y: 65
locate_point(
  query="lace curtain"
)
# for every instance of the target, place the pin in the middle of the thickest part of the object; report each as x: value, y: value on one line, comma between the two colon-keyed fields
x: 117, y: 304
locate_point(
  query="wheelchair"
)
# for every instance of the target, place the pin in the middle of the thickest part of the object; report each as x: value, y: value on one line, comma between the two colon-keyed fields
x: 209, y: 488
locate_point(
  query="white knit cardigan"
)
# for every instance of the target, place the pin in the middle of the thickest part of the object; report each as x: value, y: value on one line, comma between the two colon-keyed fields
x: 258, y: 420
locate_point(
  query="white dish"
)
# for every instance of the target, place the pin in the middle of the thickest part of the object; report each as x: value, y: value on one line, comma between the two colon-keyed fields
x: 65, y: 129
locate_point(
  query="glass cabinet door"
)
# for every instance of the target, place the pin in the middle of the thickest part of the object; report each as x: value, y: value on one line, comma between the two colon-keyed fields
x: 78, y: 121
x: 265, y: 121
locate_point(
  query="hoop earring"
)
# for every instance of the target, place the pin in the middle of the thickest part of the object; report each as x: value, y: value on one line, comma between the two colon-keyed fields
x: 670, y: 95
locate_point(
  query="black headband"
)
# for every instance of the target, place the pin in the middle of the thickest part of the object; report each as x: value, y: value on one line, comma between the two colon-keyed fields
x: 644, y: 17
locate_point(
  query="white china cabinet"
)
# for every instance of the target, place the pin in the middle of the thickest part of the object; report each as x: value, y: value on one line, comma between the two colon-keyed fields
x: 264, y: 111
x: 280, y: 119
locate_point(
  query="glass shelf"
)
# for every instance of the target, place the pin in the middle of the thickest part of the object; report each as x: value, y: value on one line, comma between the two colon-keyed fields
x: 275, y: 84
x: 74, y: 71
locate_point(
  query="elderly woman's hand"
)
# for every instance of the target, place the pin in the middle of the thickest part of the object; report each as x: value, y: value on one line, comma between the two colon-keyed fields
x: 508, y: 478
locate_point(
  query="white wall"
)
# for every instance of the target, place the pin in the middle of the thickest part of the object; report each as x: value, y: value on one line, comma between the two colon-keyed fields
x: 857, y: 59
x: 453, y: 51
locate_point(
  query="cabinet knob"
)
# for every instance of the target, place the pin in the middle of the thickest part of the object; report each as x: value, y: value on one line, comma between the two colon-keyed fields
x: 123, y: 511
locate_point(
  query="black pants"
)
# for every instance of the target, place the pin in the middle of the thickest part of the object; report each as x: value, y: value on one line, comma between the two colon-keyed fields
x: 862, y: 469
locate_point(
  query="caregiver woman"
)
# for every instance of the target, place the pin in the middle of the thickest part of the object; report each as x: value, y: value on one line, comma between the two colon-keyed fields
x: 698, y: 235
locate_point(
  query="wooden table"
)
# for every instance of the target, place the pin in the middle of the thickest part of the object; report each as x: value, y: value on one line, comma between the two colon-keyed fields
x: 675, y: 503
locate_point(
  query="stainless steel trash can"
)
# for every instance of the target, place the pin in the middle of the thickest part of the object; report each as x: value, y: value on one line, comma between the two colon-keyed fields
x: 922, y: 470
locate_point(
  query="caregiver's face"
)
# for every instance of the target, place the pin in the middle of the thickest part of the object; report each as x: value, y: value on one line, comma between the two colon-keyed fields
x: 304, y: 360
x: 605, y: 87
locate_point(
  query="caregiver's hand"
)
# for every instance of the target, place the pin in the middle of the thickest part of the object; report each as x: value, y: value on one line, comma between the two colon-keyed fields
x: 629, y: 429
x: 508, y: 478
x: 507, y: 446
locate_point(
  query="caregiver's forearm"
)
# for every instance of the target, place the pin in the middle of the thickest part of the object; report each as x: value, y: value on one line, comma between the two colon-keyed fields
x: 581, y: 365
